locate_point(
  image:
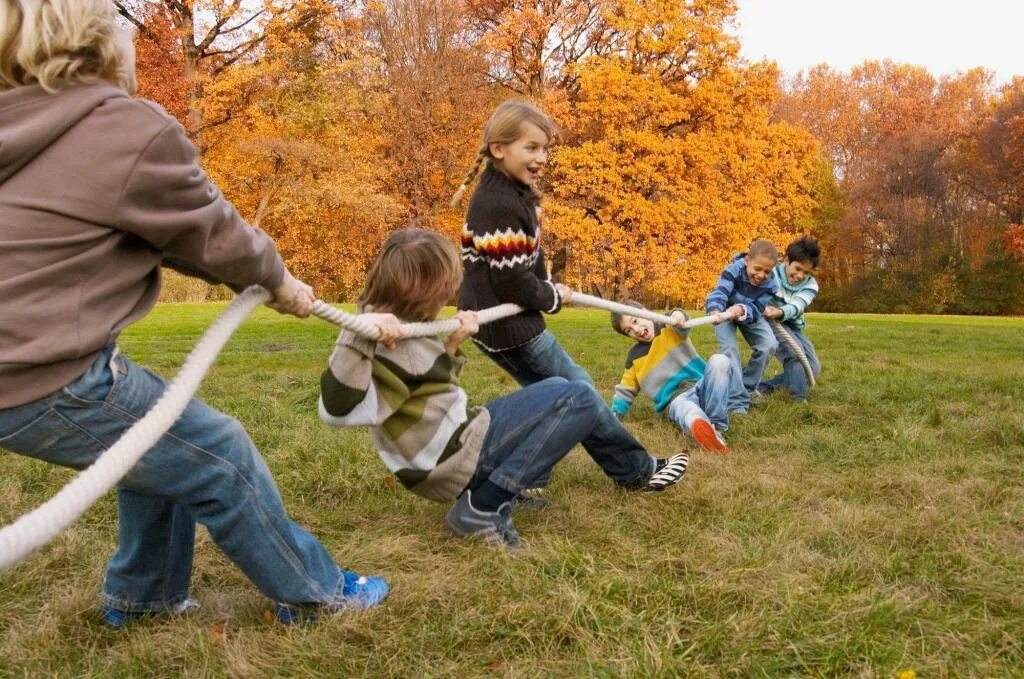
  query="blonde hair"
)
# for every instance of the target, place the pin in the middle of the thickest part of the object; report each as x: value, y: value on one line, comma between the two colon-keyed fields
x: 504, y: 127
x: 415, y: 273
x: 53, y: 43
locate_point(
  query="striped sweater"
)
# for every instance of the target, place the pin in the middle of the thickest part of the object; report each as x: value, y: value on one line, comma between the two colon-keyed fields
x: 735, y: 288
x: 794, y: 299
x: 417, y: 412
x: 504, y: 263
x: 663, y: 368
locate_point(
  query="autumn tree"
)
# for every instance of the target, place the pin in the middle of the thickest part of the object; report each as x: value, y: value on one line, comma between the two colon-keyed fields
x: 676, y: 163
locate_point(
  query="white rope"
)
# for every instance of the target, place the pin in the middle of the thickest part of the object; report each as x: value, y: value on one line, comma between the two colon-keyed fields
x: 797, y: 350
x: 33, y: 530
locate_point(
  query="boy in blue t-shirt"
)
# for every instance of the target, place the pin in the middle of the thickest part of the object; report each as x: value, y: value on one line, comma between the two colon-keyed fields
x: 744, y: 288
x: 797, y: 289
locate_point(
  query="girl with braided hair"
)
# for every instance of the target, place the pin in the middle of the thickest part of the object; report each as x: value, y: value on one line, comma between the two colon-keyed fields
x: 503, y: 260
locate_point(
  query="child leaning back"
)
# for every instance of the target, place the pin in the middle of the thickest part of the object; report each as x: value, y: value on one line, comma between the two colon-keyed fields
x: 664, y: 364
x: 408, y: 392
x: 737, y: 303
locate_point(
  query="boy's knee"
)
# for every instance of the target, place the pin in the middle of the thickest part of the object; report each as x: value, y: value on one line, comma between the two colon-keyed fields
x: 718, y: 363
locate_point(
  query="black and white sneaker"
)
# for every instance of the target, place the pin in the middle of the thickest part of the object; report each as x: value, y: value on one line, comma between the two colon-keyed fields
x: 668, y: 472
x: 532, y: 498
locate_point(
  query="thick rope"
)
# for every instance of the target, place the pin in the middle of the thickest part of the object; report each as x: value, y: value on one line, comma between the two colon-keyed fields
x: 797, y: 350
x: 33, y: 530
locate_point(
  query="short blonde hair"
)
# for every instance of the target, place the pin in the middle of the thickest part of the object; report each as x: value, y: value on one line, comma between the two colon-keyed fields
x: 504, y: 127
x: 53, y: 43
x: 416, y: 272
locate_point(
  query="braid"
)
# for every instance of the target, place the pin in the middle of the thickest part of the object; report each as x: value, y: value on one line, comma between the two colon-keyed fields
x: 474, y: 170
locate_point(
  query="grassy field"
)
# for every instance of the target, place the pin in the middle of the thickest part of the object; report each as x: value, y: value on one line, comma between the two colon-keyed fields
x: 875, y: 530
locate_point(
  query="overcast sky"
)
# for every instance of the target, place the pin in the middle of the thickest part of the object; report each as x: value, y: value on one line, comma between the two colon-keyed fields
x: 944, y: 36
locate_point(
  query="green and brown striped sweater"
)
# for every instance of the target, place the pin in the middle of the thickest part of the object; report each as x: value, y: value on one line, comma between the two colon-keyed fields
x: 411, y: 399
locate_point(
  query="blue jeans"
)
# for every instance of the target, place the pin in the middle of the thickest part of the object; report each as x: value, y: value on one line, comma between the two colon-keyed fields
x: 793, y: 377
x: 718, y: 393
x: 535, y: 427
x: 540, y: 358
x: 543, y: 357
x: 205, y: 469
x: 762, y: 343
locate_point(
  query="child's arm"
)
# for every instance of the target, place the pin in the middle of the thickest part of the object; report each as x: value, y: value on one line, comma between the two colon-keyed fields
x: 718, y: 298
x: 348, y: 395
x: 625, y: 391
x: 800, y: 301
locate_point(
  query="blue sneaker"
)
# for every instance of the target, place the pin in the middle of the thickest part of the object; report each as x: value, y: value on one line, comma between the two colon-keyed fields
x: 358, y: 592
x: 116, y: 618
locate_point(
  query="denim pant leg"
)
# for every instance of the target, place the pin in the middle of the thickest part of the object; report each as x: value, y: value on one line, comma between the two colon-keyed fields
x: 204, y: 469
x: 761, y: 338
x: 540, y: 358
x: 729, y: 347
x: 716, y: 394
x: 531, y: 430
x: 535, y: 427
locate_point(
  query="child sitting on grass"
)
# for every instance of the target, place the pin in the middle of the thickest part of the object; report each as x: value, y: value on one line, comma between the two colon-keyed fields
x: 744, y: 288
x: 797, y: 289
x: 665, y: 365
x: 436, y: 445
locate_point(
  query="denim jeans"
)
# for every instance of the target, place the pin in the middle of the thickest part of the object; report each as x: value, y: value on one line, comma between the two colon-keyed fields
x: 793, y: 376
x: 535, y: 427
x: 540, y: 358
x: 543, y: 357
x: 762, y: 343
x: 718, y: 393
x: 205, y: 469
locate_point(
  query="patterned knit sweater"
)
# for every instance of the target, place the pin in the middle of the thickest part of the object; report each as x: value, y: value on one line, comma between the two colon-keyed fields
x: 663, y: 368
x: 503, y: 261
x: 794, y: 299
x: 410, y: 398
x: 735, y: 288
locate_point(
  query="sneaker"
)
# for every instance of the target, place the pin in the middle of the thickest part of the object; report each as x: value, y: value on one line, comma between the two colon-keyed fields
x: 495, y: 528
x: 667, y: 472
x: 531, y: 498
x: 756, y: 397
x: 707, y: 437
x: 116, y: 618
x: 358, y: 592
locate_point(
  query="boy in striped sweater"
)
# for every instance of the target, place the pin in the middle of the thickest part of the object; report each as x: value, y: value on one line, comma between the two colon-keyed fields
x: 797, y: 289
x: 435, y: 444
x: 744, y: 288
x: 664, y: 364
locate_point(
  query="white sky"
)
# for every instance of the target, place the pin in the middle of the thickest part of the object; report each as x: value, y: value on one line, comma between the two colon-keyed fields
x: 944, y: 36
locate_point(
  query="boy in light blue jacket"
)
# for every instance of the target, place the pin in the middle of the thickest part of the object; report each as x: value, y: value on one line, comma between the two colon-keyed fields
x: 797, y: 289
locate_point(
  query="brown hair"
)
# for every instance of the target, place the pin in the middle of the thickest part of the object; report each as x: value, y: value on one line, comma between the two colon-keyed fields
x: 56, y: 42
x: 504, y: 127
x: 763, y: 248
x: 415, y: 273
x: 617, y: 317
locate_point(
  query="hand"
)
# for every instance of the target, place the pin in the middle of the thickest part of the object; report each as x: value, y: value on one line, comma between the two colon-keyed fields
x: 678, y: 318
x: 772, y: 312
x: 717, y: 318
x: 565, y: 291
x: 470, y: 326
x: 293, y: 297
x: 736, y: 312
x: 388, y: 324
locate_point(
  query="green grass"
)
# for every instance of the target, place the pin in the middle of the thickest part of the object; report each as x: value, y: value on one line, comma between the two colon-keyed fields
x: 877, y: 528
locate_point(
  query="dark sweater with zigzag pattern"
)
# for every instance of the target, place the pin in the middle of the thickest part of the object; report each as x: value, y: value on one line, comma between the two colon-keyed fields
x: 504, y: 263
